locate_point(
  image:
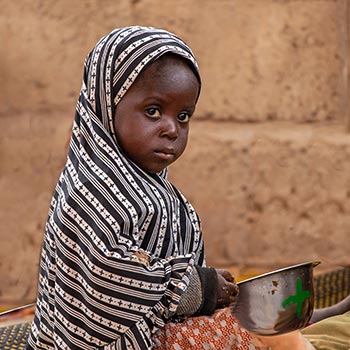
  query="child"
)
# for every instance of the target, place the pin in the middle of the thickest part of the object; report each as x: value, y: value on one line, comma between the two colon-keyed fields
x: 123, y: 251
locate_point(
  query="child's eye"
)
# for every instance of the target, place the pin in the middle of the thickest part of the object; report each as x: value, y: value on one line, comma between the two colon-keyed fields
x: 184, y: 117
x: 153, y: 112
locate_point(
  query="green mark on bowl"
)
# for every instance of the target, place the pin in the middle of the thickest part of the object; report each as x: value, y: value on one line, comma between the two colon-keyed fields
x: 298, y: 298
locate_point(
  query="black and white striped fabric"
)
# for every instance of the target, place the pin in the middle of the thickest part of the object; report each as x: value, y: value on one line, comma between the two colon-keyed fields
x: 120, y: 244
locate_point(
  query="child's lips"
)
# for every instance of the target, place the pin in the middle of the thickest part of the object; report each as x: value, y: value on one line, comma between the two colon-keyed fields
x: 166, y: 154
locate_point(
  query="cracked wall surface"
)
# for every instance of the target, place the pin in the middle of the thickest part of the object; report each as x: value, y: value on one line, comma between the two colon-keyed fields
x: 268, y: 162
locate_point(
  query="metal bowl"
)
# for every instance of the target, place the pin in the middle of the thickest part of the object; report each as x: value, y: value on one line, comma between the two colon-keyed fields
x: 277, y: 302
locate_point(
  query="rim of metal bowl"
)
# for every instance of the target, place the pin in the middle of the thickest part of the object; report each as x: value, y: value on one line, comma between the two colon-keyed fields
x: 313, y: 263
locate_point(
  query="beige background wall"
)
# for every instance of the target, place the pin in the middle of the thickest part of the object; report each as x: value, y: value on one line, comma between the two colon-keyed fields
x: 268, y: 164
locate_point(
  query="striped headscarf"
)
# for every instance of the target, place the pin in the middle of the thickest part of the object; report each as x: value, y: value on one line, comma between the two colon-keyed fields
x: 120, y: 244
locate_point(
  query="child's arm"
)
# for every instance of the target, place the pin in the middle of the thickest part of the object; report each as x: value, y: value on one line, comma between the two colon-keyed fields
x: 294, y: 340
x: 208, y: 290
x: 337, y: 309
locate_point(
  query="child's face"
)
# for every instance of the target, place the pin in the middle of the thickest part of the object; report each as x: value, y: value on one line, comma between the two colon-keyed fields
x: 152, y: 119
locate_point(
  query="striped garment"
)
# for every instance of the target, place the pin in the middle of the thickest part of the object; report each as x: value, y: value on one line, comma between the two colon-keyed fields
x: 120, y: 244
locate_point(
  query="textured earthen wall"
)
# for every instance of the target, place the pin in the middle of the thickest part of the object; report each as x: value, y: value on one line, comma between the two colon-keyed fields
x: 270, y: 194
x: 268, y: 164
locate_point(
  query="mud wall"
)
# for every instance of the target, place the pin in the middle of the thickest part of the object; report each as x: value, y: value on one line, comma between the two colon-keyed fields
x: 268, y: 164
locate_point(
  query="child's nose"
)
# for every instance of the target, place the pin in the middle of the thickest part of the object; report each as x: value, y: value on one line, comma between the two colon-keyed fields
x: 169, y: 127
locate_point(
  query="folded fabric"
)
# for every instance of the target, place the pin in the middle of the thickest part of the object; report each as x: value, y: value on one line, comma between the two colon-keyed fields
x: 220, y: 331
x: 332, y: 333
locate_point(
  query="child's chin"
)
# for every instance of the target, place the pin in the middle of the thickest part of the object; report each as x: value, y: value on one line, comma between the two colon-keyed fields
x: 154, y: 170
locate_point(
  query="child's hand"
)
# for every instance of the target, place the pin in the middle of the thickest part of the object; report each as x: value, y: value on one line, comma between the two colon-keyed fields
x: 227, y: 289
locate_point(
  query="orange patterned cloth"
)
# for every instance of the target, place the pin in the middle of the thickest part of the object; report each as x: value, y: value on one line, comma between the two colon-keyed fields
x: 218, y: 332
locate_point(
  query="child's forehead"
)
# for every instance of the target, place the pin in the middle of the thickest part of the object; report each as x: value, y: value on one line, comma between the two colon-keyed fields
x: 165, y: 63
x: 165, y: 73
